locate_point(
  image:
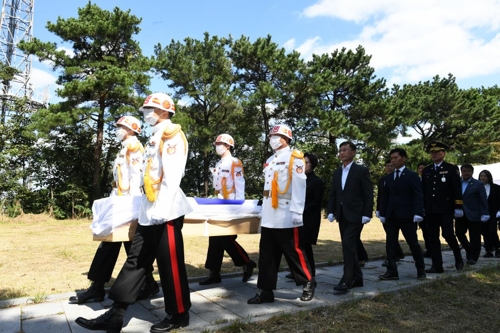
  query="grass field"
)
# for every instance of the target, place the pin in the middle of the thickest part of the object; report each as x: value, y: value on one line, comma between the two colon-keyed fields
x: 43, y: 256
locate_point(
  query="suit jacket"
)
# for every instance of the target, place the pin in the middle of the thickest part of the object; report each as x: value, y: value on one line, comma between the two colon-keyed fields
x: 442, y: 189
x: 356, y: 199
x: 380, y: 190
x: 475, y: 201
x: 494, y: 200
x: 402, y: 198
x: 312, y: 208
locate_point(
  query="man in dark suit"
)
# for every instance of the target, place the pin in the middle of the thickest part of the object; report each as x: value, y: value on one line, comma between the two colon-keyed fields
x: 475, y: 211
x: 401, y: 208
x: 389, y: 170
x: 442, y: 201
x: 351, y: 203
x: 312, y: 211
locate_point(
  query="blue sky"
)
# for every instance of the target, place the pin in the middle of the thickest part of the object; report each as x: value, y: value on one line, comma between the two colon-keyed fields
x: 410, y: 41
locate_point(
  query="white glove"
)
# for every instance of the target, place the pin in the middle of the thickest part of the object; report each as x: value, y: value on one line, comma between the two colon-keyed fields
x: 331, y: 217
x: 459, y: 213
x: 382, y: 219
x: 377, y: 214
x: 498, y: 214
x: 417, y: 218
x: 485, y: 218
x: 296, y: 218
x: 365, y: 219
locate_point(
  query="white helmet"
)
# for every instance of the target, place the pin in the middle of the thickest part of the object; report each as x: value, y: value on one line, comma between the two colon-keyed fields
x: 130, y: 122
x: 225, y: 138
x: 158, y: 101
x: 282, y: 130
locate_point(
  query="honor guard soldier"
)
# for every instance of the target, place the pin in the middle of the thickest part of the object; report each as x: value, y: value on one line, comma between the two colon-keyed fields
x: 158, y: 234
x: 127, y: 179
x: 442, y: 201
x: 282, y: 209
x: 229, y: 184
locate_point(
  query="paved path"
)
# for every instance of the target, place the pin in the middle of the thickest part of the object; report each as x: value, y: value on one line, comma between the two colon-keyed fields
x: 216, y: 305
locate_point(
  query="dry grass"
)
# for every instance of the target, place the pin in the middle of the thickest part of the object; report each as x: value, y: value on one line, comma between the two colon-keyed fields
x: 464, y: 303
x: 43, y: 256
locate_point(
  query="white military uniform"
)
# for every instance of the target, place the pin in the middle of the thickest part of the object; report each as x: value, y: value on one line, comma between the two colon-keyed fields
x: 127, y: 168
x: 171, y: 202
x: 291, y: 201
x: 235, y: 181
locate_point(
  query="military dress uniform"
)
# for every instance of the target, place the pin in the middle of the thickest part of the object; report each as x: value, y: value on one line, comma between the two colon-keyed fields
x: 127, y: 169
x: 284, y: 194
x: 229, y: 184
x: 442, y: 196
x: 161, y: 217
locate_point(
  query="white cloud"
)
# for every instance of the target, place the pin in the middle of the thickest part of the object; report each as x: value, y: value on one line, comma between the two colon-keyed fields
x: 419, y: 39
x: 44, y: 85
x: 289, y: 44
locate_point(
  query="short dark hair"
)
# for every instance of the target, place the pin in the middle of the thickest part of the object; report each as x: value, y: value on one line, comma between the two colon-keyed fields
x: 388, y: 161
x: 421, y: 163
x: 467, y: 166
x: 488, y: 175
x: 313, y: 159
x: 400, y: 151
x: 348, y: 143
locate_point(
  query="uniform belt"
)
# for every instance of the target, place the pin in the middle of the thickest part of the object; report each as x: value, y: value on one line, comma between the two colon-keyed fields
x: 287, y: 196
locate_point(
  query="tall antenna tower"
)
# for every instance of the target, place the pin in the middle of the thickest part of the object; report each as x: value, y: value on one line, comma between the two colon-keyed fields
x: 16, y: 25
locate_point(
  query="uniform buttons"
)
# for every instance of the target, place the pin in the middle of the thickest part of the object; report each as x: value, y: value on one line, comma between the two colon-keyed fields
x: 433, y: 195
x: 287, y: 202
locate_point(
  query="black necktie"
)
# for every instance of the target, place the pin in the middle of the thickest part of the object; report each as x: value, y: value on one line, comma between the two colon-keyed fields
x: 397, y: 174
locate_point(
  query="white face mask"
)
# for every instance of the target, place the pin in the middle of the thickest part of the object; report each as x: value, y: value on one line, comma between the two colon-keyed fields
x: 121, y: 133
x: 275, y: 142
x: 220, y: 149
x: 150, y: 117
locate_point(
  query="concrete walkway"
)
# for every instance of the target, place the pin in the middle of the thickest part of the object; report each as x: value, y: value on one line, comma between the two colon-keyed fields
x: 217, y: 305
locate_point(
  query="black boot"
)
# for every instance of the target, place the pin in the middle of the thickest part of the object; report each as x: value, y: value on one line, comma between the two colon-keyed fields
x: 171, y: 322
x: 213, y: 277
x: 262, y: 296
x: 95, y: 293
x: 248, y: 270
x: 110, y: 321
x: 149, y: 287
x: 308, y: 291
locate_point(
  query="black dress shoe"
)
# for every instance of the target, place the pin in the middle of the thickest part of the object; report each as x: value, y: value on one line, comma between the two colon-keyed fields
x: 488, y: 255
x: 171, y: 322
x: 262, y: 296
x: 308, y: 291
x: 95, y: 293
x: 248, y: 270
x: 356, y: 284
x: 213, y: 277
x: 421, y: 276
x: 149, y: 288
x: 290, y: 276
x: 470, y: 262
x: 111, y: 321
x: 342, y: 286
x: 388, y: 276
x: 433, y: 269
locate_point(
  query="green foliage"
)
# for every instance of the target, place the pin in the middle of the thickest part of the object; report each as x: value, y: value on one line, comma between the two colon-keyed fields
x: 104, y: 76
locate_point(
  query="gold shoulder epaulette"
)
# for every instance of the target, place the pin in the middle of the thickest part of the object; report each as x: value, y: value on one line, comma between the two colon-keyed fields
x: 297, y: 153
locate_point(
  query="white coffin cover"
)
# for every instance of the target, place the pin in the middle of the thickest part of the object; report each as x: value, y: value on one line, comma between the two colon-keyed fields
x: 220, y: 212
x: 115, y: 211
x: 112, y: 212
